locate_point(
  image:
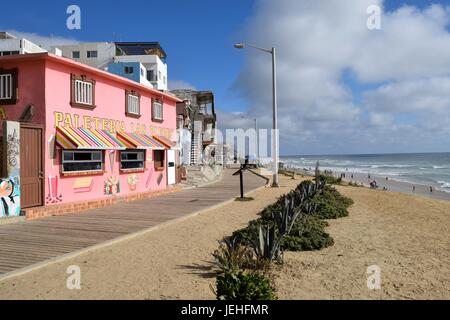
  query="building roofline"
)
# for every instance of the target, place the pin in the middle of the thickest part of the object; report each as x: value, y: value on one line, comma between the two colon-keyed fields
x: 66, y: 61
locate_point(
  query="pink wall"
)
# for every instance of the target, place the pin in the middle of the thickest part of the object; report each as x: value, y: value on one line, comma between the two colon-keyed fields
x: 31, y: 90
x: 110, y: 102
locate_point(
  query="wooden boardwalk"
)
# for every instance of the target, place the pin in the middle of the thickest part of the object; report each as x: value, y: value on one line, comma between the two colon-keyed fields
x: 28, y: 243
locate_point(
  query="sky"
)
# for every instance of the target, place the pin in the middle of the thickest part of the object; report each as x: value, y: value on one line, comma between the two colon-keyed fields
x: 342, y: 88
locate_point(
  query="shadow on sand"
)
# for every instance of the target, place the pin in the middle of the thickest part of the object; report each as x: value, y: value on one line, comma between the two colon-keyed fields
x: 205, y: 270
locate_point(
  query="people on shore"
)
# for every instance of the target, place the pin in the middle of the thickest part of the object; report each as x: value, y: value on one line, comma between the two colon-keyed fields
x: 414, y: 188
x: 431, y: 189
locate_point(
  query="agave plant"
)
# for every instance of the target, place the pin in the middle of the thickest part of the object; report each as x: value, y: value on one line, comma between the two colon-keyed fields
x: 232, y: 256
x: 271, y: 237
x: 268, y: 244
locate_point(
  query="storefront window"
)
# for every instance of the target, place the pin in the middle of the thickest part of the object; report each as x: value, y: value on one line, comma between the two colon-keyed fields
x: 82, y: 161
x: 132, y: 159
x: 159, y: 159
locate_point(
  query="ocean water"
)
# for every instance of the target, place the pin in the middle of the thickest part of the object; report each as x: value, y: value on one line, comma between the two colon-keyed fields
x: 424, y: 168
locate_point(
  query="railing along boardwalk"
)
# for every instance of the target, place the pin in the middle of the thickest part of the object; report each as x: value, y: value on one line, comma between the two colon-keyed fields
x: 27, y: 243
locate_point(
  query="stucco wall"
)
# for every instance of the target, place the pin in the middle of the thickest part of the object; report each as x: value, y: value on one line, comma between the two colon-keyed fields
x: 31, y: 91
x: 106, y: 52
x: 110, y: 102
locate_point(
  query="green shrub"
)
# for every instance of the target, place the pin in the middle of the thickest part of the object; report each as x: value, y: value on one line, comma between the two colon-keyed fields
x: 249, y: 235
x: 329, y: 179
x: 330, y: 204
x: 308, y: 234
x: 244, y: 286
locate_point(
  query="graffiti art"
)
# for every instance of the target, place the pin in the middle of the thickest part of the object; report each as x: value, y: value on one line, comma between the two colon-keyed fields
x: 13, y: 149
x: 10, y: 198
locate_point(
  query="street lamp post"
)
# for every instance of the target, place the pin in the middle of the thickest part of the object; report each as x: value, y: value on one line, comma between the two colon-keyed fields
x: 275, y: 136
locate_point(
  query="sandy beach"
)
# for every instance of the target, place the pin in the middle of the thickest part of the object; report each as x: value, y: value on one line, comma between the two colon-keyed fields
x: 406, y: 236
x: 390, y: 184
x: 397, y: 185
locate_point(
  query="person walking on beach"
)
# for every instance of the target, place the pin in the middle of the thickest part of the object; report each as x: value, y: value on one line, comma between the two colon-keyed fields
x: 414, y: 188
x: 431, y: 189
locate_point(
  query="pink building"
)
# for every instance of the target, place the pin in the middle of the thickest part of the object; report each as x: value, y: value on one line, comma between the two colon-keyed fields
x: 85, y: 134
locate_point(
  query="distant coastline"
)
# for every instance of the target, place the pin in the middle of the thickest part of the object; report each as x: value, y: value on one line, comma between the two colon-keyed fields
x: 416, y: 173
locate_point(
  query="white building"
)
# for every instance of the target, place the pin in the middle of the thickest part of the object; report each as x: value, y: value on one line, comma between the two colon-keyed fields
x: 94, y: 54
x: 102, y: 55
x: 156, y: 69
x: 10, y: 45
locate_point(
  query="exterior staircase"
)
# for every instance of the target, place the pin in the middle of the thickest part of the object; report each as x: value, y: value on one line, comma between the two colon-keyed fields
x: 197, y: 176
x: 195, y: 152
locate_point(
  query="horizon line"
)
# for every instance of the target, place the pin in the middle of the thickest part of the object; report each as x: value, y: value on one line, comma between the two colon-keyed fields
x: 362, y: 154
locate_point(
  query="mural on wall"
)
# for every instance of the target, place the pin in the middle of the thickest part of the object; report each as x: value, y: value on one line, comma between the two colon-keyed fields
x: 53, y: 196
x: 10, y: 198
x: 83, y: 185
x: 133, y: 180
x: 160, y: 178
x: 13, y: 150
x: 112, y: 154
x: 151, y: 170
x: 2, y: 113
x: 10, y: 187
x: 51, y: 144
x: 149, y: 178
x: 111, y: 186
x: 52, y: 147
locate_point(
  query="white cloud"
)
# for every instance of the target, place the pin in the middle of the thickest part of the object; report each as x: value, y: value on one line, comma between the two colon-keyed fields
x: 180, y: 84
x: 419, y: 95
x: 45, y: 41
x: 317, y: 41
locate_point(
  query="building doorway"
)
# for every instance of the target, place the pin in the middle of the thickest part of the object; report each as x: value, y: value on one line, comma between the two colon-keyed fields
x: 31, y: 166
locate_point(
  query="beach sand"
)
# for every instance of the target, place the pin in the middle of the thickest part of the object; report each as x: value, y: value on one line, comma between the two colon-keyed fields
x: 397, y: 185
x: 407, y: 236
